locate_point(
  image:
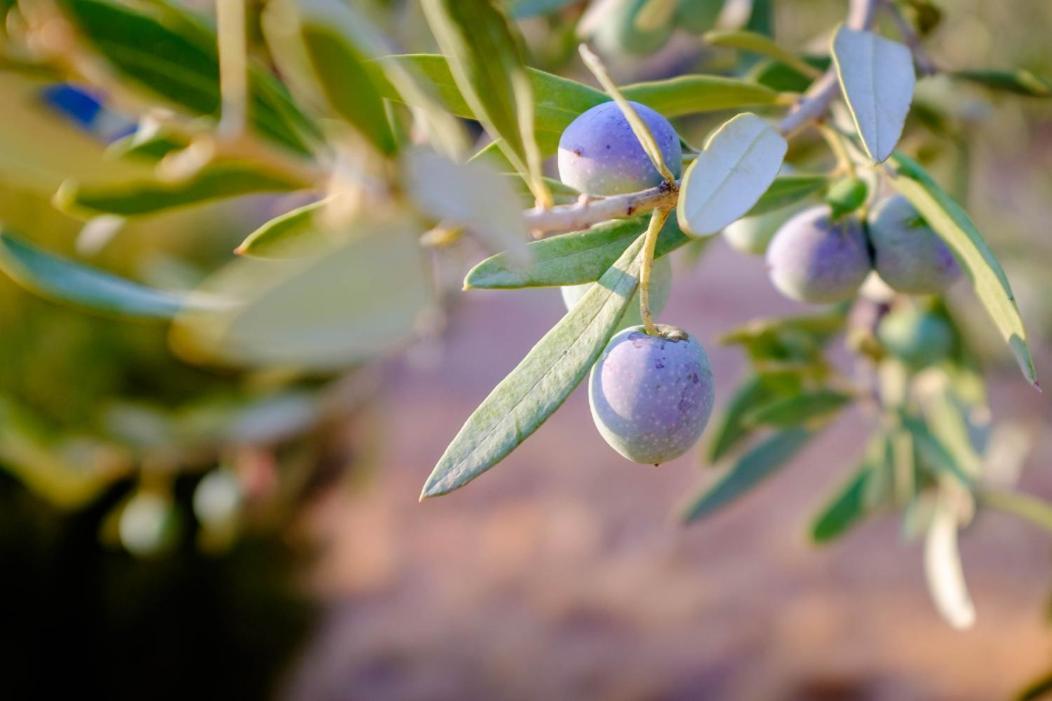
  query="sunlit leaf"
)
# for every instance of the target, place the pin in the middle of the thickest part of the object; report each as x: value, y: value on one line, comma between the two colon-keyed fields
x: 570, y: 259
x: 64, y: 280
x: 877, y: 79
x: 213, y: 182
x: 739, y: 163
x: 323, y: 313
x: 541, y: 382
x: 290, y: 234
x: 748, y: 471
x: 942, y: 566
x: 955, y: 227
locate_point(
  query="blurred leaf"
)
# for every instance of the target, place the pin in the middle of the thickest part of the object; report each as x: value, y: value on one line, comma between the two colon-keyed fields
x: 877, y: 79
x: 486, y: 62
x: 782, y: 78
x: 468, y: 195
x: 731, y: 427
x: 955, y: 227
x: 935, y: 455
x: 559, y: 100
x: 737, y: 165
x: 697, y: 16
x: 1039, y: 688
x: 542, y: 381
x: 349, y: 83
x: 850, y: 503
x: 291, y: 234
x: 322, y: 313
x: 172, y: 53
x: 1019, y: 81
x: 787, y: 190
x: 942, y: 565
x: 213, y: 182
x: 63, y: 280
x: 570, y: 259
x: 761, y: 17
x: 799, y: 409
x: 760, y: 44
x: 524, y: 9
x: 1025, y: 506
x: 748, y: 471
x: 948, y: 423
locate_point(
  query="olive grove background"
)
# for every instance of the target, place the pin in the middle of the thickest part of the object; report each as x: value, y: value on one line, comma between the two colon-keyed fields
x: 306, y: 568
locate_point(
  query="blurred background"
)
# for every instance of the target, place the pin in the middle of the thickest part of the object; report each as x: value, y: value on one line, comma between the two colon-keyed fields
x: 168, y: 531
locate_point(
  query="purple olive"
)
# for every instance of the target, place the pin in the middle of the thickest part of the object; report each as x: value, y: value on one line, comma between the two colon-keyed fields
x: 600, y: 155
x: 814, y: 259
x: 651, y: 396
x: 907, y: 254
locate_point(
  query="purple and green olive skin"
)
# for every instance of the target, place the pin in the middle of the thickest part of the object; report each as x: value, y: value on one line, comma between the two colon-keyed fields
x: 651, y: 396
x: 814, y: 259
x: 907, y: 254
x: 660, y: 287
x: 599, y: 155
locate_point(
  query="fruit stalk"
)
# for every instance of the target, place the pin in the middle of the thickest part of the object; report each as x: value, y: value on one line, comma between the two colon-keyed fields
x: 657, y: 221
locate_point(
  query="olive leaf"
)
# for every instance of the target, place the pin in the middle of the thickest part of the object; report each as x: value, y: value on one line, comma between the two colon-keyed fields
x: 570, y: 259
x: 877, y: 79
x: 953, y: 224
x: 213, y: 182
x: 541, y: 382
x: 731, y: 428
x: 1019, y: 81
x: 748, y: 471
x: 850, y: 502
x: 935, y: 455
x: 739, y: 162
x: 760, y: 44
x: 799, y: 409
x: 64, y: 280
x: 486, y: 62
x: 293, y: 233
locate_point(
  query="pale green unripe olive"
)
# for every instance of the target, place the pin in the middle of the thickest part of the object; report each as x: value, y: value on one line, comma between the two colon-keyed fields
x: 919, y: 338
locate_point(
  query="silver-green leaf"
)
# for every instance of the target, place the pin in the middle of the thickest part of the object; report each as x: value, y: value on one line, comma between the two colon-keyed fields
x: 877, y: 79
x: 541, y: 382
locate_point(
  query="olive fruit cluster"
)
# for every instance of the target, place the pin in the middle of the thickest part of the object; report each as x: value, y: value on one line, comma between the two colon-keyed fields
x: 814, y: 258
x: 651, y: 394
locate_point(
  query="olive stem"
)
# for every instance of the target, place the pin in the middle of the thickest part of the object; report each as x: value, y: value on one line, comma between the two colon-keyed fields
x: 836, y: 145
x: 925, y: 65
x: 657, y: 221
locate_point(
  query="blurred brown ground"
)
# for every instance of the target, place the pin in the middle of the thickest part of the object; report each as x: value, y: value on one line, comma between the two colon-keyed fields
x: 562, y: 575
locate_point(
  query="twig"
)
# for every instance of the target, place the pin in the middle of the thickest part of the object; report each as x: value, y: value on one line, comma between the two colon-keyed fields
x: 581, y: 215
x: 817, y: 99
x: 925, y: 65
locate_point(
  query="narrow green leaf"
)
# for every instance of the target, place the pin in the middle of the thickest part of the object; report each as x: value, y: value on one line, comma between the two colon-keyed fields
x: 748, y: 471
x: 877, y: 80
x: 63, y: 280
x: 559, y: 100
x: 485, y: 59
x: 1025, y: 506
x: 731, y: 427
x: 799, y: 409
x: 935, y: 455
x: 955, y: 227
x: 349, y: 83
x: 737, y: 165
x: 780, y: 77
x: 1039, y: 688
x: 787, y: 190
x: 1019, y: 81
x: 850, y: 503
x: 541, y: 382
x: 217, y: 181
x: 293, y: 233
x: 170, y: 52
x: 760, y: 44
x: 570, y: 259
x: 942, y: 566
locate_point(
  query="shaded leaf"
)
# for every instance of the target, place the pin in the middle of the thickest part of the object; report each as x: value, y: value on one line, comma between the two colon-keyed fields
x: 731, y: 427
x: 955, y: 227
x: 877, y: 80
x: 64, y: 280
x: 787, y: 190
x: 760, y: 44
x: 570, y: 259
x: 1019, y: 81
x: 213, y: 182
x: 850, y: 503
x: 739, y: 163
x: 748, y: 471
x: 799, y: 409
x: 778, y: 76
x: 935, y: 455
x: 541, y: 382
